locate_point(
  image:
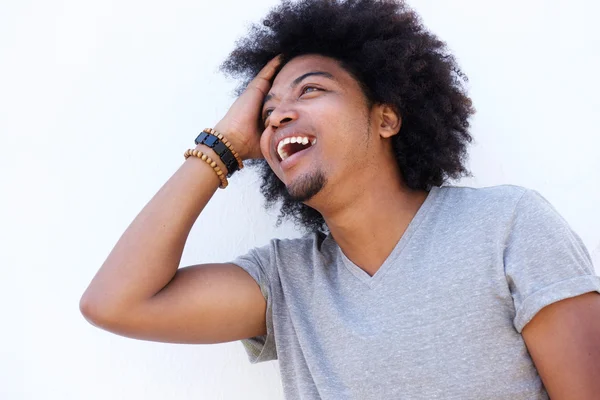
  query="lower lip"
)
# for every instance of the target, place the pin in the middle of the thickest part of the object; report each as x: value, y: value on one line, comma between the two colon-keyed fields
x: 293, y: 159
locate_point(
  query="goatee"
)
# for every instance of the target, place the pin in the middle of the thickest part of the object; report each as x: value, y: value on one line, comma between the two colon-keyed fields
x: 305, y: 187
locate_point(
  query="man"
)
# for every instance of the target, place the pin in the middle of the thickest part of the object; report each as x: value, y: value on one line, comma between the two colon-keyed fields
x: 402, y: 288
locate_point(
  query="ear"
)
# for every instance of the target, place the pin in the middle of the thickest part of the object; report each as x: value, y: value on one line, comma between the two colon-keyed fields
x: 390, y: 120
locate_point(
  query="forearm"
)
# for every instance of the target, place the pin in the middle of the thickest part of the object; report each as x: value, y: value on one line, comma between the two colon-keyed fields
x: 148, y: 254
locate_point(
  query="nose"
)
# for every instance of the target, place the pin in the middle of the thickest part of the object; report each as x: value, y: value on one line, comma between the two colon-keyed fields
x: 281, y: 116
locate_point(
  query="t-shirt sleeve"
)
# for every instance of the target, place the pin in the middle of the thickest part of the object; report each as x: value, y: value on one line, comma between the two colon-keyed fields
x: 545, y: 261
x: 257, y: 262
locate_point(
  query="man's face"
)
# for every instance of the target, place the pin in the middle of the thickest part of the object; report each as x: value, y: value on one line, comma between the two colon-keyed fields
x: 313, y: 98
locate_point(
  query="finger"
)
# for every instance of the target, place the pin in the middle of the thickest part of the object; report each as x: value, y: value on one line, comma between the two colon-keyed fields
x: 269, y: 69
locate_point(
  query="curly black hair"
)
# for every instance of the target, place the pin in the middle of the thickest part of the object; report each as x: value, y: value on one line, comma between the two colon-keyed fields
x: 385, y: 47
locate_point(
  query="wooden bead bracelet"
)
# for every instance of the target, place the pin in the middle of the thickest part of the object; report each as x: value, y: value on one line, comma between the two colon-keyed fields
x: 209, y: 161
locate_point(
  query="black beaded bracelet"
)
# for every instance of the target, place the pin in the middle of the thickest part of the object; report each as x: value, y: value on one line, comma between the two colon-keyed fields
x: 222, y: 151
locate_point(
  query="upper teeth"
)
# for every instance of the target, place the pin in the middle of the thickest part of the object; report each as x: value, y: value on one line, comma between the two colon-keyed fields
x: 295, y: 139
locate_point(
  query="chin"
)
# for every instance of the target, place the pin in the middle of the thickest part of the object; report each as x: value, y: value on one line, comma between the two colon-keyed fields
x: 306, y: 187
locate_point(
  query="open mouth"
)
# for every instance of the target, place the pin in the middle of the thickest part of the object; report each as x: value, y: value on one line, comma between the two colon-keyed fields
x: 292, y: 145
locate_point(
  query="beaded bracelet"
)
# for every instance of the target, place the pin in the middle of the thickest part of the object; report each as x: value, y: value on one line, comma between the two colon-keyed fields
x: 226, y: 143
x: 209, y: 161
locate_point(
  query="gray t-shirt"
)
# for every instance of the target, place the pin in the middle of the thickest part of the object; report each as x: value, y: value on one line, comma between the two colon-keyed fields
x: 442, y: 317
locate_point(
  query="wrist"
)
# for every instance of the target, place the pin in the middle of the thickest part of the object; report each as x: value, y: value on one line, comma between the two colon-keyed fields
x: 222, y: 147
x: 238, y: 145
x: 214, y: 156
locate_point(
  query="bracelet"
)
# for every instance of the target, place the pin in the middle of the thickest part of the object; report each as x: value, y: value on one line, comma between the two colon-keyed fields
x: 220, y: 149
x: 209, y: 161
x: 226, y: 143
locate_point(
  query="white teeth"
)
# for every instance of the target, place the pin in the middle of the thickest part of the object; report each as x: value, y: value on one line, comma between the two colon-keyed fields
x: 280, y: 151
x: 297, y: 139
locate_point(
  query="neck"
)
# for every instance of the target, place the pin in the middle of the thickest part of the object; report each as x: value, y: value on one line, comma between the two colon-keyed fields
x: 368, y: 222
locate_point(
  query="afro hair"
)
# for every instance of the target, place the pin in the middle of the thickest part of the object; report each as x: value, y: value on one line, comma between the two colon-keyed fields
x: 385, y: 47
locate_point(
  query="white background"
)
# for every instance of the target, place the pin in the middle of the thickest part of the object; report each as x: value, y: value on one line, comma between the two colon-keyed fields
x: 99, y: 100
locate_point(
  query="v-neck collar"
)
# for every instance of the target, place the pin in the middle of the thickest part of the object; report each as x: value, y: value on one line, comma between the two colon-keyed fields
x: 414, y: 224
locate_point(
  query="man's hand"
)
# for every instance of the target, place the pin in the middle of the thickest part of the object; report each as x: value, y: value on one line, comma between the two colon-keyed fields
x: 240, y: 124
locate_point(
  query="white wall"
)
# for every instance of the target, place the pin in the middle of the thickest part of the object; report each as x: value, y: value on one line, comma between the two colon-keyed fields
x: 98, y: 102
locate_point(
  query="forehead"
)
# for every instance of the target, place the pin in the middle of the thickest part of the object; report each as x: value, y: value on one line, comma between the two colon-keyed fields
x: 309, y: 63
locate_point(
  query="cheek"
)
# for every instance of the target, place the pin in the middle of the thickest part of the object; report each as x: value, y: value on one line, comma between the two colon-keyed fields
x: 264, y: 145
x: 265, y: 150
x: 348, y: 140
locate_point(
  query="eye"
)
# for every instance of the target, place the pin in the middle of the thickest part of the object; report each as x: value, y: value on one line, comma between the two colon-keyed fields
x: 266, y: 115
x: 308, y: 87
x: 268, y: 111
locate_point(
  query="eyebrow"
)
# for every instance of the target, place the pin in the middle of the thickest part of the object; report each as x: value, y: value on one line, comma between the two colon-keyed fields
x: 300, y: 79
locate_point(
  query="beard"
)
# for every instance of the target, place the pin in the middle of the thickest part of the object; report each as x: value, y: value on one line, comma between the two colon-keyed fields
x: 307, y: 186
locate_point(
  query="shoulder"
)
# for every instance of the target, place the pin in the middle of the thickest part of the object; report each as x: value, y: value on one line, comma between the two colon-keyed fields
x: 302, y: 247
x: 306, y: 248
x: 517, y: 201
x: 489, y: 208
x: 499, y: 194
